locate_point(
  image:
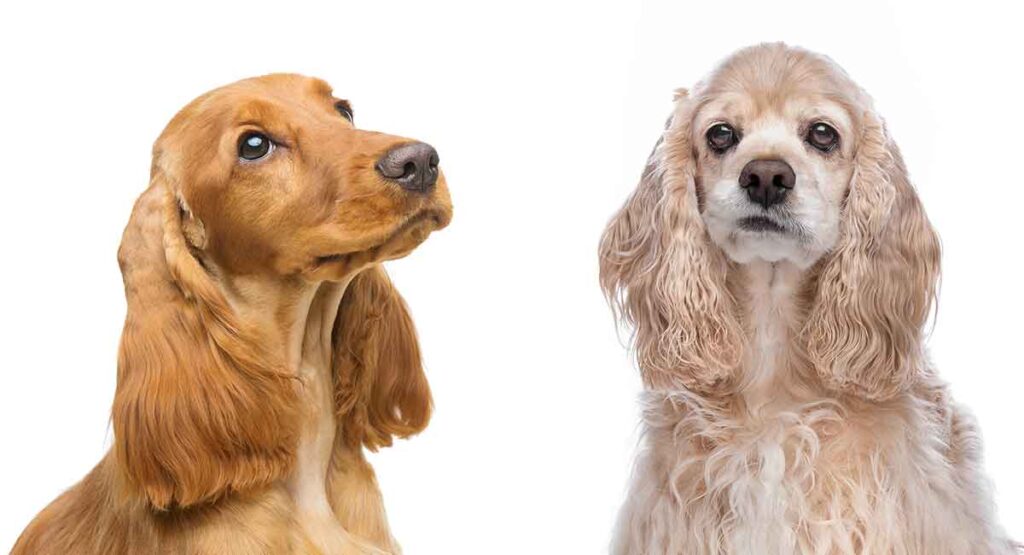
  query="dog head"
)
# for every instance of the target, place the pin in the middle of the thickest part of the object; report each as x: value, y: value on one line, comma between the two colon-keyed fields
x: 776, y: 156
x: 262, y: 192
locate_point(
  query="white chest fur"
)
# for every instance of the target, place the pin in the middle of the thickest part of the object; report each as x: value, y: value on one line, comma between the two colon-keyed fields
x: 307, y: 484
x: 811, y: 479
x: 712, y: 483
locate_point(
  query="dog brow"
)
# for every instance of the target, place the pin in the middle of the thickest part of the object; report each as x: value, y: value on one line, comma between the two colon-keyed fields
x: 320, y: 87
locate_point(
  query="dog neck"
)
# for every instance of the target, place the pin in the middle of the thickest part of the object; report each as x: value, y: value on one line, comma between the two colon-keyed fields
x: 768, y: 294
x: 299, y: 318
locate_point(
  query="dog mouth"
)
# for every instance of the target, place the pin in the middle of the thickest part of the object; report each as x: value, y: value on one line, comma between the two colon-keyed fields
x: 415, y: 229
x: 761, y: 224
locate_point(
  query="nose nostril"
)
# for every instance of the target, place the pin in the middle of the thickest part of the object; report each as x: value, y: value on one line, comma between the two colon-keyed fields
x: 409, y: 169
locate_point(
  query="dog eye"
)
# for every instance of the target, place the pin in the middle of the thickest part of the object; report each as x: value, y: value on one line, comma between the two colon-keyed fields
x: 721, y: 137
x: 254, y: 145
x: 344, y: 109
x: 822, y: 136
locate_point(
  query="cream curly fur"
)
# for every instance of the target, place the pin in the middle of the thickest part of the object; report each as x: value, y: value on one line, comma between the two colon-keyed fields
x: 789, y: 403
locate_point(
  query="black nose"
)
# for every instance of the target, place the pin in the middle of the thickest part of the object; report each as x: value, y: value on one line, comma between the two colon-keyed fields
x: 767, y: 181
x: 412, y: 165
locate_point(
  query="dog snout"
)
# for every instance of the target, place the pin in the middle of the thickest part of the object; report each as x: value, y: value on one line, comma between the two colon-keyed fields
x: 767, y: 181
x: 413, y: 166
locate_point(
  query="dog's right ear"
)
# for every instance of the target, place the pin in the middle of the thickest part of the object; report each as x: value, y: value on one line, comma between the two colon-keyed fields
x: 661, y: 274
x: 201, y: 409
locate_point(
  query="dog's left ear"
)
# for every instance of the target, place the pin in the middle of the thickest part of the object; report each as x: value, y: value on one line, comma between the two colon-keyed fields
x: 380, y: 387
x: 876, y: 290
x: 202, y: 409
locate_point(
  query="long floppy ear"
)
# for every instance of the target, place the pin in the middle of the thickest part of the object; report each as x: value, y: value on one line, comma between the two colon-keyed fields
x: 875, y: 292
x: 381, y: 390
x: 663, y: 276
x: 200, y: 408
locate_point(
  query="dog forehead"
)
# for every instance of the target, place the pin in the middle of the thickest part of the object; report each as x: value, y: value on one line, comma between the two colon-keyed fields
x: 770, y: 73
x: 276, y: 101
x: 287, y: 84
x: 270, y: 95
x: 265, y: 94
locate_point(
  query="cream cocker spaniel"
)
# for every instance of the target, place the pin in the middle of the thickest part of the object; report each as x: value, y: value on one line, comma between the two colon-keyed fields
x: 777, y: 269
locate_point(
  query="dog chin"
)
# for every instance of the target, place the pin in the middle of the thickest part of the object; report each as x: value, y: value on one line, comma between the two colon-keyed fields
x: 744, y: 247
x: 408, y: 237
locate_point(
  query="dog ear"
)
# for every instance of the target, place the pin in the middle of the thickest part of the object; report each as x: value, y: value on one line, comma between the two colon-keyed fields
x: 876, y: 290
x: 200, y: 409
x: 380, y: 388
x: 661, y: 274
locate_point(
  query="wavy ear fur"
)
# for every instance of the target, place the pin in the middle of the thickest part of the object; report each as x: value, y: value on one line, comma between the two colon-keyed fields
x: 200, y: 409
x: 380, y: 388
x: 875, y: 292
x: 662, y: 275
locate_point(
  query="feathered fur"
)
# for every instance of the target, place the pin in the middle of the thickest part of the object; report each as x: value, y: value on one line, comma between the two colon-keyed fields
x: 789, y: 404
x: 264, y: 345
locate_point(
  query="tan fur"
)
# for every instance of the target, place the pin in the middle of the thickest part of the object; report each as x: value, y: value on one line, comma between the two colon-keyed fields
x: 790, y: 407
x: 380, y: 364
x: 264, y: 346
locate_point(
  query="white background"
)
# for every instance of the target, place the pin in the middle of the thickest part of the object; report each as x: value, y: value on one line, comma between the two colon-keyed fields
x: 543, y: 114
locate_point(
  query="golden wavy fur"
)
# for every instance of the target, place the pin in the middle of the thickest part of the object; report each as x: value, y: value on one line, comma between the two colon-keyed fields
x: 264, y: 346
x: 789, y: 404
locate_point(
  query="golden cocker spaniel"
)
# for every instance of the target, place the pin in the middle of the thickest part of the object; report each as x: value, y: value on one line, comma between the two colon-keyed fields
x: 264, y: 345
x: 777, y: 269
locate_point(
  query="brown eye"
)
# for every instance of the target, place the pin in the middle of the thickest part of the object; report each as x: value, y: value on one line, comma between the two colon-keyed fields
x: 721, y: 137
x: 254, y: 145
x: 344, y: 109
x: 822, y: 136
